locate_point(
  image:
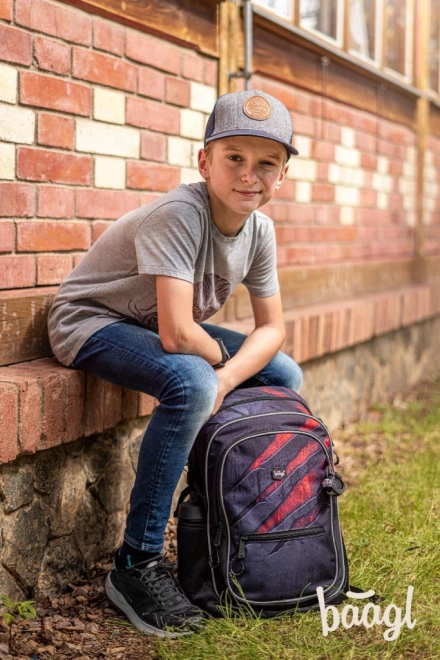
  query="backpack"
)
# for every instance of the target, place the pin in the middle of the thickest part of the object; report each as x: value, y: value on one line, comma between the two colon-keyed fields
x: 261, y: 525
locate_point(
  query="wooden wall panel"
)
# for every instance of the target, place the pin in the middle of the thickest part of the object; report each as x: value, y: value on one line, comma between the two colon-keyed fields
x: 23, y: 324
x: 192, y: 23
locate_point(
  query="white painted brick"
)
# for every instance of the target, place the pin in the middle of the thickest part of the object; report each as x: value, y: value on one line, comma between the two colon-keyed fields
x: 429, y: 157
x: 202, y: 97
x: 7, y: 161
x: 190, y: 175
x: 407, y: 187
x: 359, y: 178
x: 408, y: 170
x: 302, y: 170
x: 334, y: 173
x: 347, y: 215
x: 431, y: 188
x: 430, y: 173
x: 195, y: 148
x: 348, y: 137
x: 411, y: 154
x: 110, y: 172
x: 346, y: 196
x: 179, y: 152
x: 411, y: 219
x: 351, y: 177
x: 382, y: 201
x: 303, y: 192
x: 382, y: 164
x: 8, y: 83
x: 382, y: 182
x: 17, y: 124
x: 95, y: 138
x: 430, y: 204
x: 345, y: 156
x: 192, y: 124
x: 304, y: 145
x: 409, y: 202
x: 108, y: 105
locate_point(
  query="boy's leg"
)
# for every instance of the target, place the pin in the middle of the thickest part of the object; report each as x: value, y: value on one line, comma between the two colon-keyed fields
x: 130, y: 356
x: 281, y: 370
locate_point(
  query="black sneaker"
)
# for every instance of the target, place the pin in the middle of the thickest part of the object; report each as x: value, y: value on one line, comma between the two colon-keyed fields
x: 150, y: 596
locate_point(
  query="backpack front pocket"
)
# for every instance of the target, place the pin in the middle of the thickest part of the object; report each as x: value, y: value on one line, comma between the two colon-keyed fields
x: 262, y: 570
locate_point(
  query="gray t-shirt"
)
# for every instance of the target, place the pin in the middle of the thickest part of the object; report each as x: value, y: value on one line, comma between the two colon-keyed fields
x: 176, y: 236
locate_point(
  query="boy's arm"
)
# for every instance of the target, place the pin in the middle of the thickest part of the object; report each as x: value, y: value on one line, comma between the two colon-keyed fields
x: 178, y: 331
x: 180, y: 334
x: 259, y: 347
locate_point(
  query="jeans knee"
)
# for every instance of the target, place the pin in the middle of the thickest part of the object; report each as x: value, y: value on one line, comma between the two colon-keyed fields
x: 198, y: 385
x: 285, y: 372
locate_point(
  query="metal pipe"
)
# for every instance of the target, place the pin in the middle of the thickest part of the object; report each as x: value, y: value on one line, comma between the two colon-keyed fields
x: 248, y: 41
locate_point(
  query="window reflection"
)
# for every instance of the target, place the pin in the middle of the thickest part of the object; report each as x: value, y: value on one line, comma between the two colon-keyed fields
x: 362, y: 27
x: 281, y: 7
x: 320, y: 15
x: 395, y: 35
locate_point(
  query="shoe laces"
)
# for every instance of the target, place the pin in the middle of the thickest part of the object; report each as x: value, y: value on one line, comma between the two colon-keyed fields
x: 161, y: 584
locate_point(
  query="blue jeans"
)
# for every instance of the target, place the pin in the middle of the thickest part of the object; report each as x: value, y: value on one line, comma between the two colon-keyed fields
x: 132, y: 357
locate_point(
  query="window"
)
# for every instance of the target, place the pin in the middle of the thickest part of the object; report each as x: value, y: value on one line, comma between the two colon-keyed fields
x: 380, y: 32
x: 434, y: 46
x: 281, y: 7
x: 364, y: 28
x: 395, y: 41
x: 321, y: 16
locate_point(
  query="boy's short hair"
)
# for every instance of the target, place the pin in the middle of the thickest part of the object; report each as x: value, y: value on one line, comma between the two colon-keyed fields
x: 251, y: 113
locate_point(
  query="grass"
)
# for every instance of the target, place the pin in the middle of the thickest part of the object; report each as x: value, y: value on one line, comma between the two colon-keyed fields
x: 391, y: 523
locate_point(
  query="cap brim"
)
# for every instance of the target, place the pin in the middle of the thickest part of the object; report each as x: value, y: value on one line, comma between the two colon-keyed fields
x: 218, y: 136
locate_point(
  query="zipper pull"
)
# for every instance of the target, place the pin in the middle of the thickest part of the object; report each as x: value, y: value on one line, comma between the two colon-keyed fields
x: 240, y: 556
x: 218, y: 536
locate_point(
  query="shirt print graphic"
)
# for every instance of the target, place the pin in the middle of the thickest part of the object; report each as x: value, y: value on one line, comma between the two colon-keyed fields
x: 209, y: 296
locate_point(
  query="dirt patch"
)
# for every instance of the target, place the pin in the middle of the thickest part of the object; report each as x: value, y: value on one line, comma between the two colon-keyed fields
x: 81, y: 624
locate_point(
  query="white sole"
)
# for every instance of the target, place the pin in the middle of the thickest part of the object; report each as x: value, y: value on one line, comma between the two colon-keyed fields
x: 119, y: 601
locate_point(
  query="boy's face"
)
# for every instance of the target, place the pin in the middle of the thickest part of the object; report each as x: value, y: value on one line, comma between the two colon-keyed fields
x: 242, y: 173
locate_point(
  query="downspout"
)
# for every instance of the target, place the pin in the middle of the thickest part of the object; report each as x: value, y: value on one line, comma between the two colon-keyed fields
x: 248, y: 41
x: 245, y: 73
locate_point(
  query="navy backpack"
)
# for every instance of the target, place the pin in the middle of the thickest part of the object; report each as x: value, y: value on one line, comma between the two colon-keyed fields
x: 261, y: 525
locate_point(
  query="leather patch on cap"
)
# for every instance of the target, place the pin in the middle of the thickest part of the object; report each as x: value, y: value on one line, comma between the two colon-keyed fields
x: 256, y: 107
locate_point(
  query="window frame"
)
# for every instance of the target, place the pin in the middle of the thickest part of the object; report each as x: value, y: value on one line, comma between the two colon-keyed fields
x: 433, y: 93
x: 341, y: 44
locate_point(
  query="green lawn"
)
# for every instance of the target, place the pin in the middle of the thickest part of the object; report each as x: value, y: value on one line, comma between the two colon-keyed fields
x: 391, y: 523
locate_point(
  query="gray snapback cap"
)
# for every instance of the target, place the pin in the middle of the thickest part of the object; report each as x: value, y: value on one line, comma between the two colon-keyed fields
x: 250, y: 113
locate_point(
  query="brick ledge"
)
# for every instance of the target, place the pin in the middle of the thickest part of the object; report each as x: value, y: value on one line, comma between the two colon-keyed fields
x: 316, y: 330
x: 44, y: 404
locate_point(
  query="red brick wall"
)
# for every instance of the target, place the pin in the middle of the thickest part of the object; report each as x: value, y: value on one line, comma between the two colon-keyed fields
x: 432, y: 197
x: 95, y: 119
x: 350, y: 195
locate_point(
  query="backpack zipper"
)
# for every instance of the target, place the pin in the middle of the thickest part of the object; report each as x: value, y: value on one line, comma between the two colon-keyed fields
x: 263, y: 398
x: 277, y: 536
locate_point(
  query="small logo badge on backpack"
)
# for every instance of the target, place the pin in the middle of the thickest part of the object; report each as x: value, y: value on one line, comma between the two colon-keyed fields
x: 278, y: 473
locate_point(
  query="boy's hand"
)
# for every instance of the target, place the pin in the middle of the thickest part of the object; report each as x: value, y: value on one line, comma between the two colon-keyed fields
x: 223, y: 389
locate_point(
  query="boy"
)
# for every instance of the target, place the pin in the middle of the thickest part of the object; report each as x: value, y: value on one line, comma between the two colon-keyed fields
x: 133, y: 311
